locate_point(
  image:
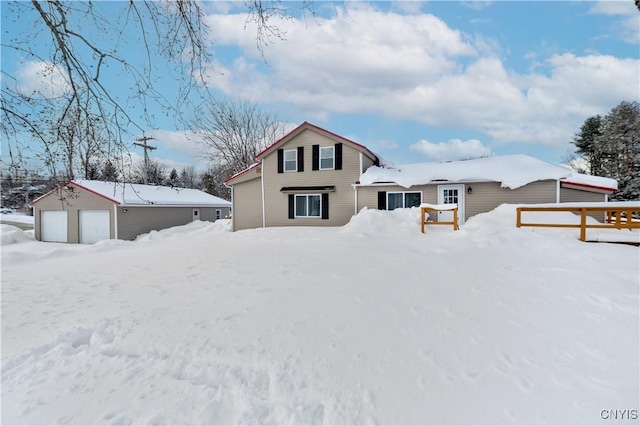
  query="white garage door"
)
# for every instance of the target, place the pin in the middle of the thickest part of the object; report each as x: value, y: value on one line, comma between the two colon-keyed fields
x: 94, y: 226
x: 53, y: 226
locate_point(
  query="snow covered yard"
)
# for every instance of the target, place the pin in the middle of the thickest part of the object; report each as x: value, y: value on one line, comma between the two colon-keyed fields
x: 373, y: 322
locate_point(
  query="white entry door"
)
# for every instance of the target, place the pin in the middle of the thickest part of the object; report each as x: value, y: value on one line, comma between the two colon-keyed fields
x: 451, y: 194
x: 53, y: 226
x: 94, y: 226
x: 196, y: 214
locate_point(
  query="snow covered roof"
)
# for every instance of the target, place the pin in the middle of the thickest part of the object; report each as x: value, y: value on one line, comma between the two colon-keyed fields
x: 130, y: 194
x: 512, y: 171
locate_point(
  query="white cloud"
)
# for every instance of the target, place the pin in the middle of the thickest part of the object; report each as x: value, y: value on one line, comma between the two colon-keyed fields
x: 184, y: 141
x: 628, y: 26
x: 477, y: 4
x: 454, y: 149
x: 612, y: 7
x: 410, y: 6
x: 418, y: 68
x: 387, y: 145
x: 40, y: 78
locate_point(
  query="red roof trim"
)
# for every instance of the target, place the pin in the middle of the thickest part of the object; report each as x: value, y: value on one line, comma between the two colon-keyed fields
x: 251, y: 167
x: 304, y: 125
x: 71, y: 182
x: 584, y: 185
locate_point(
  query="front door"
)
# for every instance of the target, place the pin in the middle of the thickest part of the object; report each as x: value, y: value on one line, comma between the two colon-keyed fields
x: 451, y: 194
x: 196, y: 214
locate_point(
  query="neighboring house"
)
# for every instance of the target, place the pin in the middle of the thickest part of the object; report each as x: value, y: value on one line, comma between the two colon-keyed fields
x: 312, y: 177
x: 85, y: 211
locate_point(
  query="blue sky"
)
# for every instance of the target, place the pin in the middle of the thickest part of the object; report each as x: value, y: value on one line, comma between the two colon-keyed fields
x: 422, y: 81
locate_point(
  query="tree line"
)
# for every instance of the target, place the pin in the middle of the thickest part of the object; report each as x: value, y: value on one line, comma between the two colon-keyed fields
x: 609, y: 146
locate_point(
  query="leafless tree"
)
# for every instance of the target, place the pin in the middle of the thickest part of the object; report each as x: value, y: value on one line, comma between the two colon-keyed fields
x: 78, y: 47
x: 232, y: 133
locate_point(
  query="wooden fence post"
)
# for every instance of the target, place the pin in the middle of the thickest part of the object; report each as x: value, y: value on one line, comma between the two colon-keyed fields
x: 583, y: 224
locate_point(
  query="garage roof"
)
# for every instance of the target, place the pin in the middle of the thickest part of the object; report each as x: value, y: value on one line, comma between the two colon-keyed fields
x: 131, y: 194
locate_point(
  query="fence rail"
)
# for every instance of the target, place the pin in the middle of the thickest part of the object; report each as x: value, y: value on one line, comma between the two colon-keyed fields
x: 435, y: 208
x: 614, y: 216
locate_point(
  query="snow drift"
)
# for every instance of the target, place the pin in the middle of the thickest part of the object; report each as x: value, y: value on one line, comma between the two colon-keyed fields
x: 370, y: 323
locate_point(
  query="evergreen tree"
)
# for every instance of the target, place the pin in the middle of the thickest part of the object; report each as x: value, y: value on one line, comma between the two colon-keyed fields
x: 585, y: 142
x: 619, y: 147
x: 173, y: 177
x: 611, y: 146
x: 109, y: 172
x: 92, y: 171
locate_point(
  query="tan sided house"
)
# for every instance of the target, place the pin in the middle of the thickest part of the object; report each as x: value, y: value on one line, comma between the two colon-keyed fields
x: 86, y: 211
x: 304, y: 179
x: 312, y: 177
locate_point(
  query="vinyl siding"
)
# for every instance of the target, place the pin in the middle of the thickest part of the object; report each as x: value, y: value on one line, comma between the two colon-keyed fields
x: 73, y: 202
x: 141, y: 220
x: 485, y: 197
x: 366, y: 162
x: 341, y: 201
x: 247, y: 205
x: 569, y: 195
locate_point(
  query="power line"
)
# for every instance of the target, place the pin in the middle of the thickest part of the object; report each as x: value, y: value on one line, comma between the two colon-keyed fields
x: 143, y: 143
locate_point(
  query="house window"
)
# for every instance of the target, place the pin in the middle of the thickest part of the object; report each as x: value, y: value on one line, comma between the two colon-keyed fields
x: 218, y: 214
x: 327, y: 158
x: 291, y: 160
x: 308, y: 205
x: 450, y: 196
x: 398, y: 200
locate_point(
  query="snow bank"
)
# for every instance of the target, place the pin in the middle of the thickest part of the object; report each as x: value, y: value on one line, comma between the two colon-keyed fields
x: 382, y: 222
x: 11, y: 235
x: 197, y: 226
x: 17, y: 218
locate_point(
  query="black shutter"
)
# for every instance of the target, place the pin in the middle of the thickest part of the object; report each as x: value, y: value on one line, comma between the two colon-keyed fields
x: 301, y: 158
x: 338, y: 154
x: 292, y: 206
x: 315, y: 157
x: 280, y: 161
x: 325, y: 206
x: 382, y: 200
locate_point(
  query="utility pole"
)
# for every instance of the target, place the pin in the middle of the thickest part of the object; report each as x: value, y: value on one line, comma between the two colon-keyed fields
x: 143, y: 143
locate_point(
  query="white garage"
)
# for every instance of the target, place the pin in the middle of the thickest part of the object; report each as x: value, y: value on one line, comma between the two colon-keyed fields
x: 54, y: 226
x: 89, y: 211
x: 94, y: 226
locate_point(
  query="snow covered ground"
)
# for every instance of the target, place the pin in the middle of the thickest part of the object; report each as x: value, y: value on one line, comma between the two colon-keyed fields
x: 369, y: 323
x: 16, y: 217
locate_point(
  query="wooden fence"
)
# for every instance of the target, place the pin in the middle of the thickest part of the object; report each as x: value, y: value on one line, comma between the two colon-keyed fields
x: 618, y: 216
x: 424, y: 208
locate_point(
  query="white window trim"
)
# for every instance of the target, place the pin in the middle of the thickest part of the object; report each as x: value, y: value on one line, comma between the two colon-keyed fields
x: 284, y: 160
x: 218, y: 214
x: 403, y: 197
x: 333, y: 157
x: 295, y: 205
